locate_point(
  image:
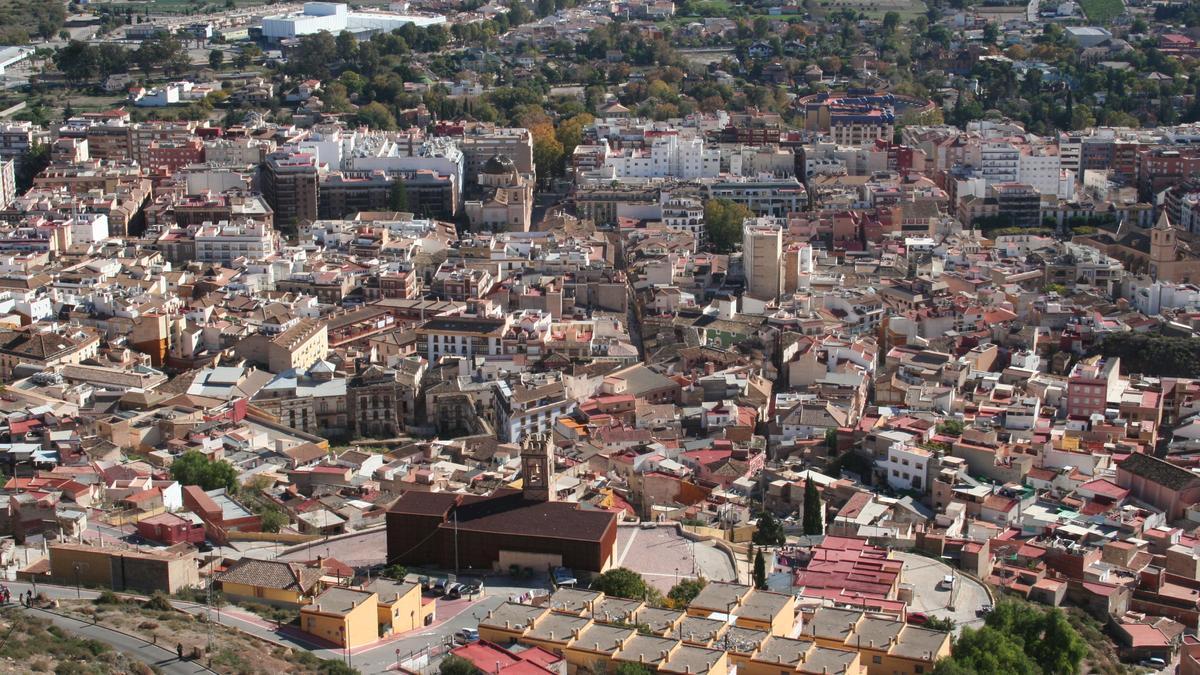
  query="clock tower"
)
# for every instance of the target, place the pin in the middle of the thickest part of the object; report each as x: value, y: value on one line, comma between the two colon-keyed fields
x: 537, y: 467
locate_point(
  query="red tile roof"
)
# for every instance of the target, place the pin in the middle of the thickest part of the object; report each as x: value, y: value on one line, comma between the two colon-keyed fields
x: 848, y: 565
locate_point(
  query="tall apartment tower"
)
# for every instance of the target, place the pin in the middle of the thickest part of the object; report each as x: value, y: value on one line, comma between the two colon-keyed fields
x: 290, y: 185
x: 762, y: 257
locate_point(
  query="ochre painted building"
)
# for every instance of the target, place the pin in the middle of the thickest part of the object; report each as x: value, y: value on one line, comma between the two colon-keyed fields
x: 347, y: 617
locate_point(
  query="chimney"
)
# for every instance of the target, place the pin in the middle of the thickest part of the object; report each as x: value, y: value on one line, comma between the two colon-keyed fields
x: 870, y: 643
x: 595, y: 646
x: 497, y: 668
x: 551, y: 635
x: 641, y: 658
x: 687, y: 668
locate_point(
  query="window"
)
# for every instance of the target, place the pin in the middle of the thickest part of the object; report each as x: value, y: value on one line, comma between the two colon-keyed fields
x: 876, y: 659
x: 918, y: 669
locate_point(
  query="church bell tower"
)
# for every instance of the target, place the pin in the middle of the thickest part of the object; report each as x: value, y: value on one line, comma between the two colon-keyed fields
x: 537, y: 467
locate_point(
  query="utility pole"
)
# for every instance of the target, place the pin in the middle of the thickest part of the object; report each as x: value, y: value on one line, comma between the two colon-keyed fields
x: 456, y: 544
x: 208, y: 615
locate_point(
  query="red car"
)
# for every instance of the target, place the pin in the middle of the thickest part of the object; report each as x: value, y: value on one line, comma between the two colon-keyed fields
x: 917, y: 618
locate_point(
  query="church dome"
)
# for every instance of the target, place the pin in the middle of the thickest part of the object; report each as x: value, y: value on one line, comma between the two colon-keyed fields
x: 498, y: 165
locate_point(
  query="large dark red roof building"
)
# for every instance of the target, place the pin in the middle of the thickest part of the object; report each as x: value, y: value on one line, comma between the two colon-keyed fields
x: 523, y: 527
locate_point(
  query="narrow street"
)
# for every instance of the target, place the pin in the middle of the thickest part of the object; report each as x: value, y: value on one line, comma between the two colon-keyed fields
x: 160, y: 658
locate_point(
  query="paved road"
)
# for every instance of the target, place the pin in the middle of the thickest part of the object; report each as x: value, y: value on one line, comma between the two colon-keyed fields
x: 375, y: 658
x: 924, y: 575
x: 164, y: 660
x: 663, y: 556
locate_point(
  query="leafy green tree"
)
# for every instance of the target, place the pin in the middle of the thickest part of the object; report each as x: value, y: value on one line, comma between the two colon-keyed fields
x: 570, y: 132
x: 630, y: 668
x: 398, y: 197
x: 950, y: 427
x: 395, y: 572
x: 347, y: 46
x: 377, y: 116
x: 812, y: 522
x: 624, y: 583
x: 986, y: 650
x: 760, y: 571
x: 1153, y: 354
x: 162, y: 51
x: 273, y: 520
x: 1017, y: 638
x: 991, y: 33
x: 891, y: 21
x: 456, y: 665
x: 78, y: 61
x: 937, y: 623
x: 723, y: 221
x: 684, y: 592
x: 1060, y: 649
x: 216, y: 58
x: 769, y: 531
x: 34, y: 161
x: 314, y: 56
x: 831, y: 440
x: 194, y: 468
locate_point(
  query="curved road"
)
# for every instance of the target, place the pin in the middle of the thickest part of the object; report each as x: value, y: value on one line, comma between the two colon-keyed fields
x: 373, y: 658
x: 162, y: 659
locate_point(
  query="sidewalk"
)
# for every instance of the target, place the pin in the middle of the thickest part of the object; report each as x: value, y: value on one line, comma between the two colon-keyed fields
x: 456, y: 607
x: 286, y: 635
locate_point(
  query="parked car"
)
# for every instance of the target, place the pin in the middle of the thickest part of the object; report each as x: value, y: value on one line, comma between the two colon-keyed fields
x: 454, y: 591
x: 205, y: 546
x: 983, y: 610
x: 1154, y: 662
x: 947, y: 582
x: 466, y: 636
x: 440, y: 586
x: 648, y: 525
x: 564, y: 577
x: 918, y: 618
x: 472, y: 586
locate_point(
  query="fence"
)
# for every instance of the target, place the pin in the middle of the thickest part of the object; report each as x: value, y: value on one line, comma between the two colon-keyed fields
x: 132, y: 516
x: 737, y: 535
x: 279, y: 537
x: 423, y: 660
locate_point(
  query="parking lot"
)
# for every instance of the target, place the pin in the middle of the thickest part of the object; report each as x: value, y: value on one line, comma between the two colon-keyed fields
x: 662, y: 555
x: 924, y: 575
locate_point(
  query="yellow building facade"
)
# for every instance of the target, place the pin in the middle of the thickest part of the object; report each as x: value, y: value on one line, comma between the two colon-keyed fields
x: 346, y: 617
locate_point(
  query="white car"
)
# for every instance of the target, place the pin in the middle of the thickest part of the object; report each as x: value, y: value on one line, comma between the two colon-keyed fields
x: 947, y: 582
